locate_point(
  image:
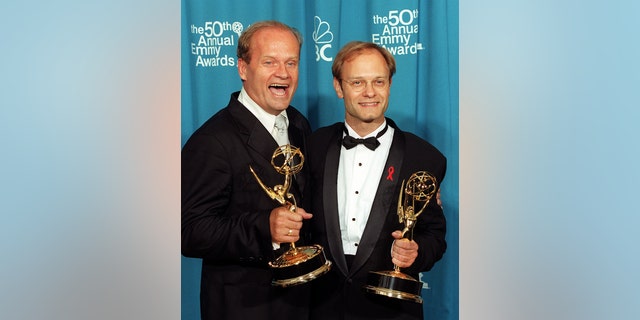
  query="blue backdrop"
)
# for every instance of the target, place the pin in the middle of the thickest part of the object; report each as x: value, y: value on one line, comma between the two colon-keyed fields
x: 422, y: 35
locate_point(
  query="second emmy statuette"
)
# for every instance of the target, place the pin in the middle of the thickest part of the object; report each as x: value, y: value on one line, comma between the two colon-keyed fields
x: 419, y: 189
x: 298, y: 264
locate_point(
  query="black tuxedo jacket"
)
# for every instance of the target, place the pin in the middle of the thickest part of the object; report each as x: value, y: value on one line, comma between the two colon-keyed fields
x: 339, y: 294
x: 225, y: 214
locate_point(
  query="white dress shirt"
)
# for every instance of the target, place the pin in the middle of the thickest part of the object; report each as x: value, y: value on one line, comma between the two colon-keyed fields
x: 268, y: 120
x: 359, y: 173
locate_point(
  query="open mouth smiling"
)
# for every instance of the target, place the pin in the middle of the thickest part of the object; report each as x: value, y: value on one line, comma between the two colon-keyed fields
x: 278, y: 89
x: 368, y: 104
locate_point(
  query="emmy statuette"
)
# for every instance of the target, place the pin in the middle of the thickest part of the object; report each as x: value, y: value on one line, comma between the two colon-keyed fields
x: 298, y: 264
x: 420, y: 188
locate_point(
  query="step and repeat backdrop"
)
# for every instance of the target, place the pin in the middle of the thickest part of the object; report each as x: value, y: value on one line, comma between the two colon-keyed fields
x: 422, y: 36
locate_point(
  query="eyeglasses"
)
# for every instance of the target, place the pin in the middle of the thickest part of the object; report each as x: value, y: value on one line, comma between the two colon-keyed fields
x: 358, y: 85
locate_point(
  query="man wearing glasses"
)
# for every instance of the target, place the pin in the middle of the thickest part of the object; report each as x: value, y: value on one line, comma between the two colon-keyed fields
x: 357, y: 168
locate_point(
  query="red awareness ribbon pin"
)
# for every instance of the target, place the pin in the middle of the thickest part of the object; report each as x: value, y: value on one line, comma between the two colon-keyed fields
x: 391, y: 170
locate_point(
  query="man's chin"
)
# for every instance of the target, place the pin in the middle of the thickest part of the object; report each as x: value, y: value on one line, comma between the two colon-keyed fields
x: 281, y: 104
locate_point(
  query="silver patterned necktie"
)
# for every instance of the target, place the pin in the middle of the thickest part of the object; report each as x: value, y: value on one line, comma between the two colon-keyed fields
x: 280, y: 130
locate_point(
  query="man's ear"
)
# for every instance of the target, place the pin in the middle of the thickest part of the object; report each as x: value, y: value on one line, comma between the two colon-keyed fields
x: 242, y: 69
x: 337, y: 85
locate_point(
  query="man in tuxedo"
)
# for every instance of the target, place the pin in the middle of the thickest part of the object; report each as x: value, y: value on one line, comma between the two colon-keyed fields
x: 357, y: 168
x: 227, y: 218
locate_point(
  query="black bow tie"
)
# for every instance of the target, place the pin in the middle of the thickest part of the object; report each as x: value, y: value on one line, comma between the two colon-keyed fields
x: 372, y: 142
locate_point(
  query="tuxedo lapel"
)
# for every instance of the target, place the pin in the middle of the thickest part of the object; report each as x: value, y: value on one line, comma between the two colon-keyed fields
x: 330, y: 201
x: 296, y: 139
x: 295, y: 135
x: 258, y: 141
x: 257, y: 138
x: 382, y: 202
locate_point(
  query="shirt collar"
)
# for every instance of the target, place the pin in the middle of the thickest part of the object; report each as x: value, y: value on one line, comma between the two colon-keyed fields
x: 371, y: 134
x: 268, y: 120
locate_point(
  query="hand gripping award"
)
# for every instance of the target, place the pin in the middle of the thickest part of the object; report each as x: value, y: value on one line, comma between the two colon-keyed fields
x: 419, y: 189
x: 298, y: 264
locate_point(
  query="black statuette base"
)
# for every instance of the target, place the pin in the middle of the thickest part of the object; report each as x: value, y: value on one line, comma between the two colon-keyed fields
x: 394, y: 285
x: 299, y: 266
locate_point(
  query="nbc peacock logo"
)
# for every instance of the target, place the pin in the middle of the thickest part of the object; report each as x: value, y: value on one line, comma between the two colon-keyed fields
x: 323, y: 37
